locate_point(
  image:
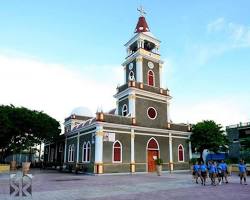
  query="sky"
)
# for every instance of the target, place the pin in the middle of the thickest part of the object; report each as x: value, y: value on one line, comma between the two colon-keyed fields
x: 59, y: 55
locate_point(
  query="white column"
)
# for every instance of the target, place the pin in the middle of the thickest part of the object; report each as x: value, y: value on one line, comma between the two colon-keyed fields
x: 190, y: 150
x: 131, y: 102
x: 65, y: 150
x: 160, y: 75
x: 99, y: 144
x: 171, y: 152
x: 168, y: 115
x: 139, y: 77
x: 125, y: 80
x: 117, y: 107
x: 77, y: 149
x: 132, y: 146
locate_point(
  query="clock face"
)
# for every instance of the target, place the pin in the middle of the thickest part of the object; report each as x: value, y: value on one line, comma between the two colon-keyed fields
x: 150, y: 65
x: 130, y: 66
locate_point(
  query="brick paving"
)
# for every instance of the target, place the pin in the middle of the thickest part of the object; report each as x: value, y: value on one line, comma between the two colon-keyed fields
x: 52, y: 185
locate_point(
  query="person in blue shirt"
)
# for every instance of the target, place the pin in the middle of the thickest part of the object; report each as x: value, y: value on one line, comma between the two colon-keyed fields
x: 196, y: 169
x: 224, y: 170
x: 203, y: 169
x: 220, y: 173
x: 213, y: 172
x: 243, y: 171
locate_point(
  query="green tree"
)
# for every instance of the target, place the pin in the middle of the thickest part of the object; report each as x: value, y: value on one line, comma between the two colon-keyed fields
x: 21, y: 129
x: 208, y: 135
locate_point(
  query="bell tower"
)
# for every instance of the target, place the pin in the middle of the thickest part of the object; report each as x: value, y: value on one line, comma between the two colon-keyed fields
x: 142, y: 96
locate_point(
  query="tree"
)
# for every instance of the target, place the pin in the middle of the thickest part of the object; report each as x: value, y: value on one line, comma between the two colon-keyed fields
x: 21, y: 129
x: 208, y: 135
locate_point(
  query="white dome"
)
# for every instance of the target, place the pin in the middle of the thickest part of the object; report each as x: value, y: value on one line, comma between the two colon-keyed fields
x: 82, y: 111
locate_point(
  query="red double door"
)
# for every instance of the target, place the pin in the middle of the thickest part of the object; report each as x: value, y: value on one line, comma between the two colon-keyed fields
x: 152, y: 155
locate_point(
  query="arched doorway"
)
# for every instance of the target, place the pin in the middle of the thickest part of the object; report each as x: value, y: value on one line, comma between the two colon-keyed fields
x: 152, y: 154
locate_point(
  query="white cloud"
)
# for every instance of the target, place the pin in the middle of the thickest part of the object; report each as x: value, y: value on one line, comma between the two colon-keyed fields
x: 54, y: 88
x: 236, y: 35
x: 216, y: 25
x: 223, y: 110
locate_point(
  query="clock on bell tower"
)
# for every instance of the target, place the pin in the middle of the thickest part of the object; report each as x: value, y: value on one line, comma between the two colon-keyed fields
x: 142, y: 96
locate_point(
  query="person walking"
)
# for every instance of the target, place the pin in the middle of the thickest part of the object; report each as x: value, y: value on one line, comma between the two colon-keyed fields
x: 243, y: 172
x: 224, y: 169
x: 196, y: 169
x: 203, y: 169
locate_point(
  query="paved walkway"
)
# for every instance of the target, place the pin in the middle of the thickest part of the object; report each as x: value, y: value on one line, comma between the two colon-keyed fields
x: 52, y: 185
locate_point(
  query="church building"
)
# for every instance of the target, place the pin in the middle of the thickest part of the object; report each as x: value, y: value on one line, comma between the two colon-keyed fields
x: 132, y: 136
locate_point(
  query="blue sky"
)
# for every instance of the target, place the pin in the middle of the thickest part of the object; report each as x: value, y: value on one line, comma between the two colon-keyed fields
x: 53, y: 49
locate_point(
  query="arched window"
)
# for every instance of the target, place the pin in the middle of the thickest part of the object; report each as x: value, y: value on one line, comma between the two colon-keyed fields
x: 86, y: 149
x: 117, y: 152
x: 71, y: 153
x: 151, y: 78
x: 152, y: 144
x: 131, y: 76
x: 180, y: 153
x: 124, y: 110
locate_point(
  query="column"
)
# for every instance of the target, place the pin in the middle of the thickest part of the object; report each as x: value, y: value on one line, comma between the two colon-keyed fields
x: 139, y: 77
x: 125, y: 75
x: 99, y: 150
x: 117, y: 107
x: 160, y: 75
x: 190, y: 150
x: 131, y: 102
x: 65, y: 150
x: 168, y: 115
x: 77, y: 149
x: 132, y: 163
x: 171, y: 152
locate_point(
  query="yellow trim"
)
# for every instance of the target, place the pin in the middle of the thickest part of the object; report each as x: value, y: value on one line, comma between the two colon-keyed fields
x: 138, y: 59
x: 99, y: 133
x: 4, y: 168
x: 132, y: 168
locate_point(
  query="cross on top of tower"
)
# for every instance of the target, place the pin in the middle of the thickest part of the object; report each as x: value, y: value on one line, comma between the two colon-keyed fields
x: 142, y: 25
x: 142, y: 11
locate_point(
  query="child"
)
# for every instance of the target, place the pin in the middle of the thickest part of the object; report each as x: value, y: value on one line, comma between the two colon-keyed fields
x: 224, y: 171
x: 203, y: 169
x: 196, y: 168
x: 243, y: 170
x: 213, y: 171
x: 220, y: 173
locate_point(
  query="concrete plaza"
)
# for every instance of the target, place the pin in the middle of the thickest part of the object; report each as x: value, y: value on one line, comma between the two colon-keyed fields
x: 48, y: 185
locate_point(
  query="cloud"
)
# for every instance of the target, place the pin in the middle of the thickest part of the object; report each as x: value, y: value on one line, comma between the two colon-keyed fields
x: 223, y: 110
x: 235, y: 35
x: 221, y: 37
x: 216, y: 25
x: 55, y: 88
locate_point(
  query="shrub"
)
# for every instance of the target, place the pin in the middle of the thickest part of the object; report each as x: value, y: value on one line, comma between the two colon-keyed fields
x: 158, y: 161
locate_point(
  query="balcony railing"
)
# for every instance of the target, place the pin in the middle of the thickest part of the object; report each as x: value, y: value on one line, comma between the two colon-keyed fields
x: 143, y: 86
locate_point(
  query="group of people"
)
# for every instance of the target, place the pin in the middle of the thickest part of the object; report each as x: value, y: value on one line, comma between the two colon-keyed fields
x: 217, y: 171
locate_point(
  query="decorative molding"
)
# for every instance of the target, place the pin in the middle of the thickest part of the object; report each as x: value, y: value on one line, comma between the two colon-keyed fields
x: 99, y: 133
x: 139, y: 59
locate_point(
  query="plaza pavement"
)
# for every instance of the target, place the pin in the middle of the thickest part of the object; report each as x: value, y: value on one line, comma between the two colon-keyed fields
x: 177, y: 186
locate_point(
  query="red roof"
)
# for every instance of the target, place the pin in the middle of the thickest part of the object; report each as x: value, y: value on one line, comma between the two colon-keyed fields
x: 142, y: 25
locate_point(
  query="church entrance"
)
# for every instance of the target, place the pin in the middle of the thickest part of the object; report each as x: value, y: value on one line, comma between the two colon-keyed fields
x: 152, y: 154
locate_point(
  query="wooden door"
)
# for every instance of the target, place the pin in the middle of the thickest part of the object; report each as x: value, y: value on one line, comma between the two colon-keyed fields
x: 152, y: 154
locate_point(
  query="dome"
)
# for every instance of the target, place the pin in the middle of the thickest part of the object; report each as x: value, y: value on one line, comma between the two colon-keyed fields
x: 82, y: 111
